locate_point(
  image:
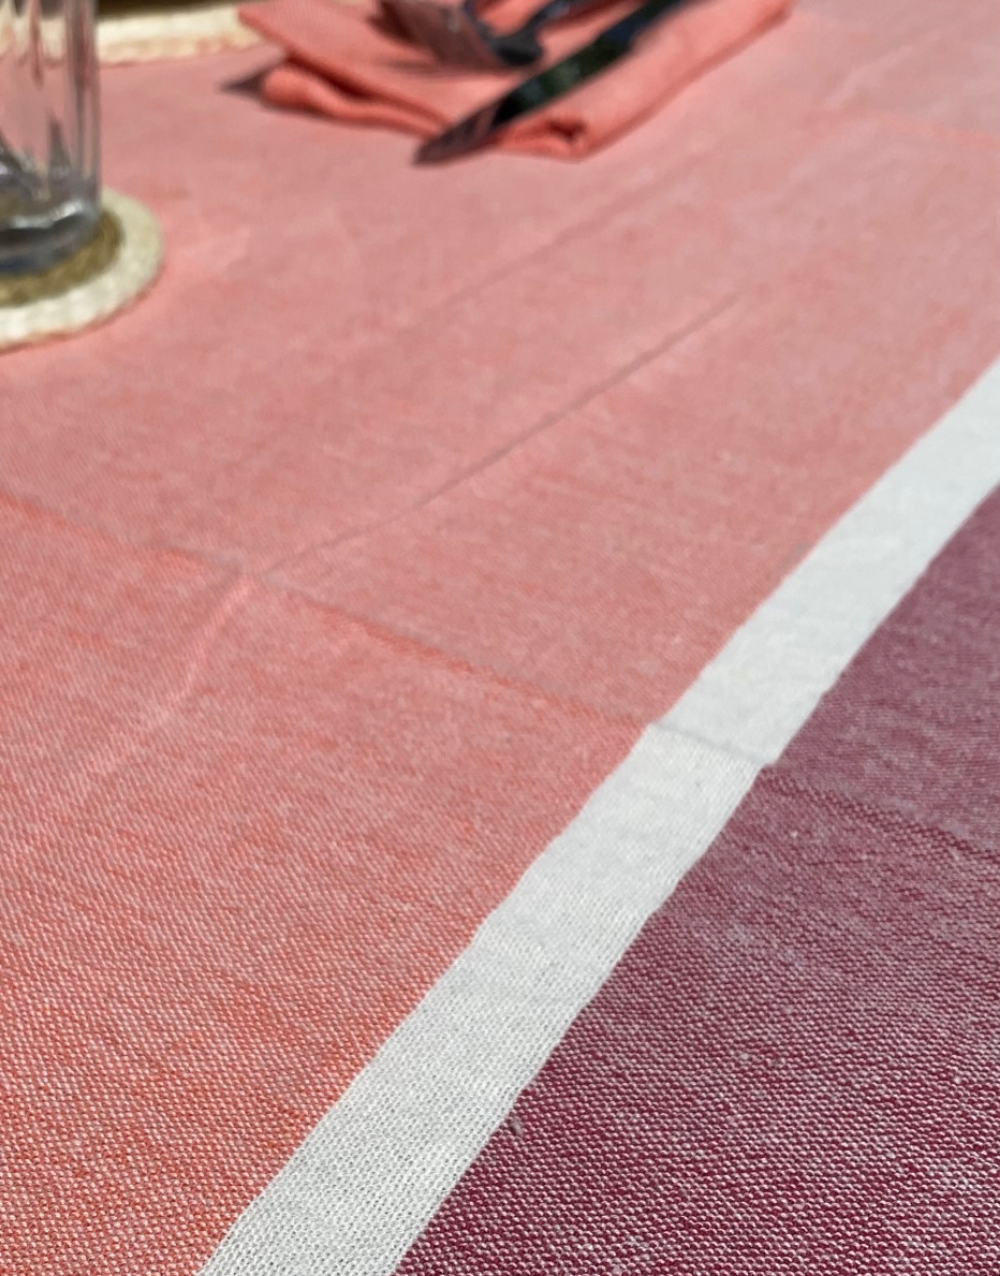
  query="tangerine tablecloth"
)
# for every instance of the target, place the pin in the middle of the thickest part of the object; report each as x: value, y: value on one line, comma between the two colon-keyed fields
x: 402, y: 598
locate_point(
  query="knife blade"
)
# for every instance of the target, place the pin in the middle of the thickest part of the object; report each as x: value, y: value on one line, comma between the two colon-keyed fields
x: 536, y: 92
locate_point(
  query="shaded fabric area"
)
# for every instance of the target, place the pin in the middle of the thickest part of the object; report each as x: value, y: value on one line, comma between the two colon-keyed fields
x: 796, y: 1068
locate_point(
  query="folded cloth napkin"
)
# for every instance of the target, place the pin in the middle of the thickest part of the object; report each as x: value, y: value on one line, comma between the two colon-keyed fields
x: 343, y: 62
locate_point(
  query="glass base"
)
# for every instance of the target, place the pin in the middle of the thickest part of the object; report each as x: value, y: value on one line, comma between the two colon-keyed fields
x: 32, y: 244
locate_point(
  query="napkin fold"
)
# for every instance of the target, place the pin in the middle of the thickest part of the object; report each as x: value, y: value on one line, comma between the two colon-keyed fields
x: 342, y: 62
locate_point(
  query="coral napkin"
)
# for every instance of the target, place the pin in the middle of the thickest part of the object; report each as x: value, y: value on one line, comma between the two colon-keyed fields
x: 341, y: 62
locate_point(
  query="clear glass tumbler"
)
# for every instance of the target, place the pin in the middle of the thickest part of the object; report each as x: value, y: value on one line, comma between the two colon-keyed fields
x: 49, y: 131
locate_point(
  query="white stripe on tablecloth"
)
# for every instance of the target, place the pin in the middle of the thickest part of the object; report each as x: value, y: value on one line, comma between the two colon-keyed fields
x: 368, y: 1178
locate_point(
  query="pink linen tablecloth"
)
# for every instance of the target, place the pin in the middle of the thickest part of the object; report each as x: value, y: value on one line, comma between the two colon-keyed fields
x: 431, y: 571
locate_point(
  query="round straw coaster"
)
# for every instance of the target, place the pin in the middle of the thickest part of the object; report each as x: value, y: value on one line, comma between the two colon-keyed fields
x: 107, y: 274
x: 158, y: 33
x: 152, y: 31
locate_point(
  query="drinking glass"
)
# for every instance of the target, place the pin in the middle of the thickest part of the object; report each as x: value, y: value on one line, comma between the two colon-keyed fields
x: 49, y: 131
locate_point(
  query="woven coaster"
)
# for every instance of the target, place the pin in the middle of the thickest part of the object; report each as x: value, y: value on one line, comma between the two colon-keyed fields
x: 150, y: 31
x: 109, y: 272
x: 157, y: 34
